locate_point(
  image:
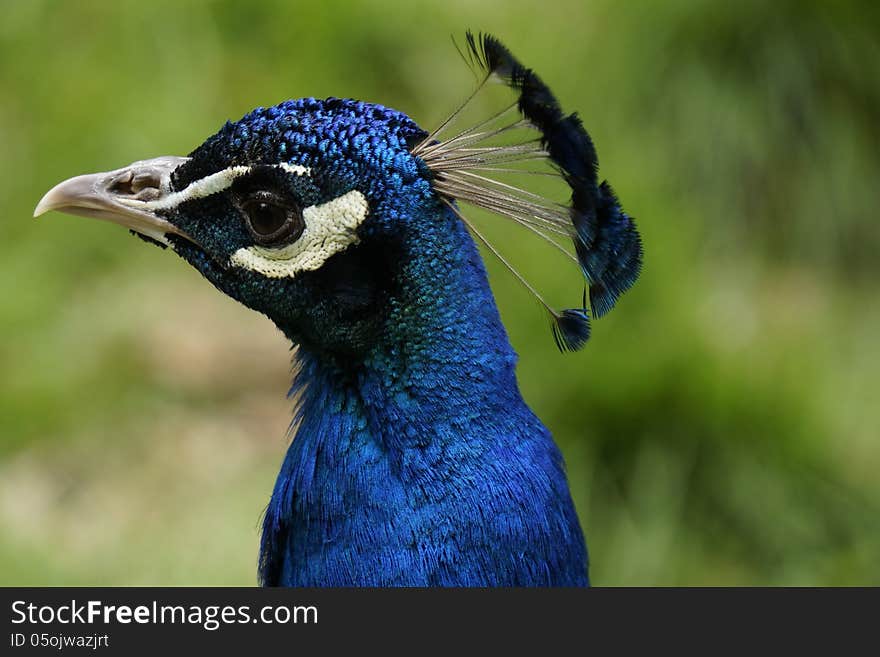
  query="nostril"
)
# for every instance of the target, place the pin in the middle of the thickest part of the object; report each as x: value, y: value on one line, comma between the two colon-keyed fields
x: 121, y: 185
x: 143, y: 181
x: 143, y: 185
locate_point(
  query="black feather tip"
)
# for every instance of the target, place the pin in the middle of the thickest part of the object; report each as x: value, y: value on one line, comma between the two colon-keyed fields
x: 571, y: 329
x: 606, y: 241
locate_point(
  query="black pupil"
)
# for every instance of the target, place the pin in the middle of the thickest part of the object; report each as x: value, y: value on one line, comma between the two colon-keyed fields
x: 266, y: 218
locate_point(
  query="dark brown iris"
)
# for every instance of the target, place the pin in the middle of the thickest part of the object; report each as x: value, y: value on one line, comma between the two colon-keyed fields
x: 272, y: 220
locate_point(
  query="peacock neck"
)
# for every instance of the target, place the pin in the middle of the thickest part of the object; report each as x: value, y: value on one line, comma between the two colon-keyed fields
x: 443, y: 348
x: 431, y: 410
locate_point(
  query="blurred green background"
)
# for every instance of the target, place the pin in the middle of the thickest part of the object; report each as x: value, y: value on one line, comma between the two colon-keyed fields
x: 720, y: 428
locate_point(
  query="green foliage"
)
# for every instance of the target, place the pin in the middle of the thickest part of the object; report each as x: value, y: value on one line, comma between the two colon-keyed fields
x: 720, y: 428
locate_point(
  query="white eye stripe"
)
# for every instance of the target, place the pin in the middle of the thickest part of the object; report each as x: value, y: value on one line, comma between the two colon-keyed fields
x: 212, y: 184
x: 295, y: 169
x: 329, y: 229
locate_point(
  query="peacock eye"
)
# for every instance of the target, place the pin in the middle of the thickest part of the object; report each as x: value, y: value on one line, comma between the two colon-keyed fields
x: 272, y: 220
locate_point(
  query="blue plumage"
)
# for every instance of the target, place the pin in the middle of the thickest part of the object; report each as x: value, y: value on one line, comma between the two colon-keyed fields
x: 414, y: 459
x: 425, y: 467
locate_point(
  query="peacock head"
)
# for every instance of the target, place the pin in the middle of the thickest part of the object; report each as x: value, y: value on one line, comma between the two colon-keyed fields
x: 294, y: 210
x: 309, y: 210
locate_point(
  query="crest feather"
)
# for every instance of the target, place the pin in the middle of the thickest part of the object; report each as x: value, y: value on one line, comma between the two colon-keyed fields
x: 607, y: 247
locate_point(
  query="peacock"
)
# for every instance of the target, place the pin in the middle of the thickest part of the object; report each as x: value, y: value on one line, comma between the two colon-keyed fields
x: 414, y: 459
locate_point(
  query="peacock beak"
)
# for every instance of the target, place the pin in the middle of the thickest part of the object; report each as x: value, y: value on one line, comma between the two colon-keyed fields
x: 129, y: 196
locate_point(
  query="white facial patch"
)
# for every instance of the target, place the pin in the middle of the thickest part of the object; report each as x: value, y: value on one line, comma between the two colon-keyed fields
x: 213, y: 184
x: 329, y: 228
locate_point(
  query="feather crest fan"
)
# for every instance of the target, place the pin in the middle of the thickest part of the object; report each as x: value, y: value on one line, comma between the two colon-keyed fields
x: 467, y: 165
